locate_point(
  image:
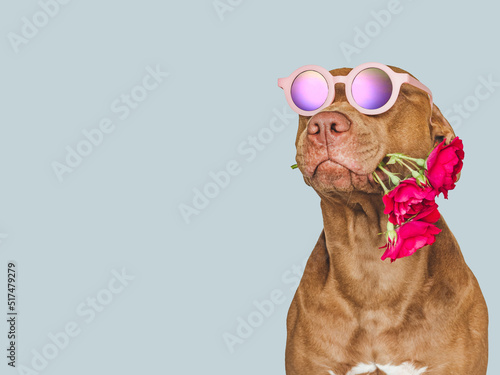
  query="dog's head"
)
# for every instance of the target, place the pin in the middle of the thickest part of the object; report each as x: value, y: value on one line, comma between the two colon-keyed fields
x: 339, y: 147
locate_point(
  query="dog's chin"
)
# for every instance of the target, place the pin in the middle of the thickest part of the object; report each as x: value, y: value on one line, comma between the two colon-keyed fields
x: 331, y: 177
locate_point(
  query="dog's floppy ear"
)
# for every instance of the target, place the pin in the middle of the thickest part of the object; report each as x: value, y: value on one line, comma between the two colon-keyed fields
x: 440, y: 127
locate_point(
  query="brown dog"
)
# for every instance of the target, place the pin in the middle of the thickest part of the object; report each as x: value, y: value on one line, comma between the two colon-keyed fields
x: 354, y: 314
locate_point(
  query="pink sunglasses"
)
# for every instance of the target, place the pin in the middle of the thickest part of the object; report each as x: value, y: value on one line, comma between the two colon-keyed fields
x: 371, y: 88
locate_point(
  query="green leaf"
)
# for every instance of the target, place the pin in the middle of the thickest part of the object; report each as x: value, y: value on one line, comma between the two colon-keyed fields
x: 420, y: 162
x: 395, y: 180
x: 392, y: 160
x: 294, y: 166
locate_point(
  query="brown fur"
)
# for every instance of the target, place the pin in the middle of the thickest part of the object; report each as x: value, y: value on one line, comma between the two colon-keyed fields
x: 351, y: 307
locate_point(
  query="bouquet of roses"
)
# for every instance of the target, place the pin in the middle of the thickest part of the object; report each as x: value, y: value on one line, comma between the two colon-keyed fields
x: 411, y: 204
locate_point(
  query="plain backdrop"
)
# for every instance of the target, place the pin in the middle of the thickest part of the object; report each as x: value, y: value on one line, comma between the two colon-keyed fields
x: 196, y: 280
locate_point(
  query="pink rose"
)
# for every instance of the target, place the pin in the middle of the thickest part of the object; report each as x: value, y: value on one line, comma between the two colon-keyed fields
x: 409, y: 238
x: 444, y: 164
x: 409, y: 200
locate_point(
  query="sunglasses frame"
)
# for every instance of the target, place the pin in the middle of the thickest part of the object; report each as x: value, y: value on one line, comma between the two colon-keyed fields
x: 397, y: 80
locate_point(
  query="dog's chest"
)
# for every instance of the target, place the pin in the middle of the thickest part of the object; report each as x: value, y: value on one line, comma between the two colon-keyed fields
x: 374, y: 324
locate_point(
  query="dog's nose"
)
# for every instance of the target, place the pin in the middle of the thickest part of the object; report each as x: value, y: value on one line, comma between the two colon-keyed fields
x: 325, y: 125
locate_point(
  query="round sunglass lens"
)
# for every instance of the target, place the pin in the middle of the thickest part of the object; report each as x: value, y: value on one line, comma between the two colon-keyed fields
x: 309, y: 90
x: 372, y: 88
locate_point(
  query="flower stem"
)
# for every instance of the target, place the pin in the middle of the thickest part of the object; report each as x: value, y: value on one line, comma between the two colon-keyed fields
x: 395, y: 179
x: 380, y: 182
x: 420, y: 162
x: 414, y: 173
x: 411, y: 162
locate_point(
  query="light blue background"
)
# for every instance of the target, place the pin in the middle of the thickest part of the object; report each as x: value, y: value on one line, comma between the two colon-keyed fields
x: 120, y: 207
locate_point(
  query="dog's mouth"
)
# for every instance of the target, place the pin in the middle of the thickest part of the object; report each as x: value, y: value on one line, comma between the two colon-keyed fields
x: 333, y: 175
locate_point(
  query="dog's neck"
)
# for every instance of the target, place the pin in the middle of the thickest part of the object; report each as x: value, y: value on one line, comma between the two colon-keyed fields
x: 353, y: 239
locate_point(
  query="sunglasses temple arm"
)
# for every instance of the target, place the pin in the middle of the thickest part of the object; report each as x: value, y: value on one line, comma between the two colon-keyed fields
x: 414, y: 82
